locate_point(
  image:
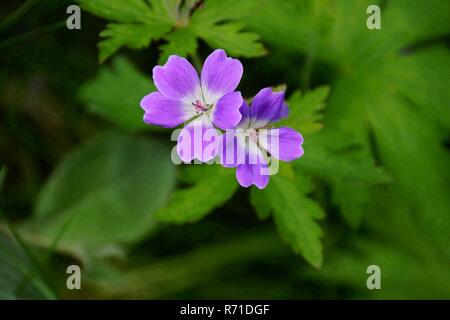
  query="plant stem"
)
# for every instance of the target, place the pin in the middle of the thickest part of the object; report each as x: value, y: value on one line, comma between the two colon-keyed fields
x: 45, y: 289
x: 27, y: 35
x: 16, y: 15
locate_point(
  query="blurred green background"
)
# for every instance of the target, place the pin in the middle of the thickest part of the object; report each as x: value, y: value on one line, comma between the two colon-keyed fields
x: 86, y: 182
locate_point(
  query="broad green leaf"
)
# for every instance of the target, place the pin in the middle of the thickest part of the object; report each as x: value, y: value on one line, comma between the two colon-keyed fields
x: 116, y: 92
x: 296, y: 218
x: 305, y: 110
x: 210, y: 187
x: 106, y: 191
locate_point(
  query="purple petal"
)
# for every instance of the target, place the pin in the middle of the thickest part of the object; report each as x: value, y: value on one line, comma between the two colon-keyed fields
x: 177, y: 79
x: 226, y: 114
x: 284, y: 111
x: 245, y: 112
x: 163, y: 112
x: 283, y: 143
x: 248, y: 174
x: 267, y: 107
x: 253, y: 154
x: 231, y: 149
x: 198, y: 140
x: 220, y: 74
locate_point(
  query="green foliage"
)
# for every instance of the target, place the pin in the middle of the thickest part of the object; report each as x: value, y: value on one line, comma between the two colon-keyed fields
x: 15, y: 269
x: 376, y: 158
x: 208, y: 187
x: 180, y: 42
x: 388, y: 101
x: 305, y: 110
x: 295, y: 216
x: 259, y: 203
x: 105, y: 191
x: 137, y: 23
x: 116, y: 92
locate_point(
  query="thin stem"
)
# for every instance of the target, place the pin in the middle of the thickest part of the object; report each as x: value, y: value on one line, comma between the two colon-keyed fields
x: 31, y: 34
x: 16, y: 15
x: 48, y: 291
x: 45, y: 289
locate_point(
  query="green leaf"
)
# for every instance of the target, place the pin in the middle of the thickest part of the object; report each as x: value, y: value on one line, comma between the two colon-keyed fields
x: 181, y: 42
x: 210, y: 186
x: 165, y: 9
x: 116, y: 92
x: 305, y: 110
x: 106, y: 191
x: 219, y: 24
x: 295, y: 216
x: 213, y: 11
x: 137, y: 23
x: 389, y: 94
x: 14, y: 271
x: 118, y: 10
x: 336, y: 156
x: 130, y: 35
x: 230, y: 37
x: 260, y: 204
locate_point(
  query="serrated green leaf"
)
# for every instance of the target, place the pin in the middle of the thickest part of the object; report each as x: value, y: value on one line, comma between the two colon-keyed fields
x: 138, y: 23
x: 230, y: 37
x: 135, y: 36
x: 165, y: 9
x: 105, y: 191
x: 116, y: 92
x: 181, y: 42
x: 118, y: 10
x: 213, y: 11
x: 342, y: 160
x: 212, y: 186
x: 295, y: 216
x: 305, y: 110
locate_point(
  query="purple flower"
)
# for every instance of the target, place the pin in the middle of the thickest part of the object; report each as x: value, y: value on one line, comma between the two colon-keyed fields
x: 204, y: 103
x: 254, y: 141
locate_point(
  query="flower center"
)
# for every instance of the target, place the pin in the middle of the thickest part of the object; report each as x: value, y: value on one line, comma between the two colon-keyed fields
x: 253, y: 134
x: 201, y: 107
